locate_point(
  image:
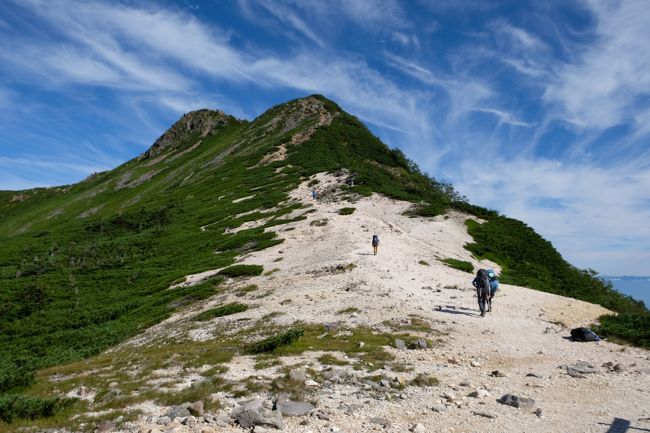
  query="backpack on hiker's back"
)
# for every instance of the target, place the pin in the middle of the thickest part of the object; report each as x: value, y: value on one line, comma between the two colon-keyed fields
x: 494, y: 282
x: 375, y: 240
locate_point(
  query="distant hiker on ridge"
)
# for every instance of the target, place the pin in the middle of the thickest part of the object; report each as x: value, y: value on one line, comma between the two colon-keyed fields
x: 314, y: 194
x: 375, y: 243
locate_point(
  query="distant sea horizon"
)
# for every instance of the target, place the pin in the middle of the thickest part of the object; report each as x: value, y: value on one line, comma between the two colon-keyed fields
x: 636, y: 287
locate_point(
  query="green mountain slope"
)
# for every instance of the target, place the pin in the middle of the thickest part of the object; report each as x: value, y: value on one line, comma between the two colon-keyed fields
x: 85, y: 266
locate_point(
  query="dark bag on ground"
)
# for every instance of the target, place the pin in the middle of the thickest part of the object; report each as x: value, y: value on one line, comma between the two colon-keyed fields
x: 584, y: 334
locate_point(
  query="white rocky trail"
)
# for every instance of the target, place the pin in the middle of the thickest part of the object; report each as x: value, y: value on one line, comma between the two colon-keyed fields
x: 524, y: 337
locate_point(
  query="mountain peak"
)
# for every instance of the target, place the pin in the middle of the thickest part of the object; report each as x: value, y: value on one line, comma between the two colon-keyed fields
x: 201, y: 123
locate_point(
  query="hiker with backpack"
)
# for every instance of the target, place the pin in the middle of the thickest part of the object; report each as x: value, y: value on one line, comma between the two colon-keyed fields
x: 482, y: 284
x: 375, y: 243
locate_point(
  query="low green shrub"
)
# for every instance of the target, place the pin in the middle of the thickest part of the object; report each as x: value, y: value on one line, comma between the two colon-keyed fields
x: 271, y: 343
x: 347, y: 211
x: 423, y: 379
x: 461, y: 265
x: 15, y: 406
x: 223, y: 310
x: 628, y: 327
x: 242, y: 271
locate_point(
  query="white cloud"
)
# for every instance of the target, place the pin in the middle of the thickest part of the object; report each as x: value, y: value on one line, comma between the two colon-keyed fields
x: 591, y: 214
x: 504, y: 117
x: 600, y: 88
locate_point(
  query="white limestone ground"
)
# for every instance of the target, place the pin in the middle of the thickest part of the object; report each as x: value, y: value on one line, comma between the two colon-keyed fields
x: 525, y: 333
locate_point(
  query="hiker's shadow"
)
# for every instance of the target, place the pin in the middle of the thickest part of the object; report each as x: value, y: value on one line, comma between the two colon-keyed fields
x: 620, y: 425
x: 452, y: 311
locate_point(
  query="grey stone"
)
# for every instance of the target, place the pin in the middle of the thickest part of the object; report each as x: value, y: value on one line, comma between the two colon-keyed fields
x: 382, y: 422
x: 581, y: 367
x: 464, y: 383
x: 400, y: 344
x: 196, y: 408
x: 538, y: 412
x: 516, y: 401
x: 479, y: 393
x: 497, y: 373
x: 539, y: 376
x: 293, y: 408
x: 322, y: 415
x: 105, y: 427
x: 163, y: 420
x: 449, y: 396
x: 484, y: 414
x: 178, y: 412
x: 222, y: 420
x: 438, y: 408
x: 385, y: 383
x: 418, y: 428
x: 298, y: 375
x: 420, y: 343
x: 252, y: 412
x: 190, y: 421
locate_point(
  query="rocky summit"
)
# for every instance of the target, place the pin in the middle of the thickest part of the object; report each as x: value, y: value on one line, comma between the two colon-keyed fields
x: 225, y: 281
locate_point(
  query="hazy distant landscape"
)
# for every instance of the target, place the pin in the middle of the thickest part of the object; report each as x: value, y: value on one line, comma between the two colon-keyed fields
x: 637, y: 287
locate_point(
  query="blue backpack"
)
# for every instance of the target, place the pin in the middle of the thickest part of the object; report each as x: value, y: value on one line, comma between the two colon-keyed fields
x: 494, y: 283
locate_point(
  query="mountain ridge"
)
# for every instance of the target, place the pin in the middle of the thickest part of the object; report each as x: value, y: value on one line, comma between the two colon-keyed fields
x: 86, y: 266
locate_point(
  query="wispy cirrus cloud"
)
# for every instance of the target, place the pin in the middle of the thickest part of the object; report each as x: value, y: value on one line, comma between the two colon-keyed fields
x: 596, y: 91
x: 538, y: 102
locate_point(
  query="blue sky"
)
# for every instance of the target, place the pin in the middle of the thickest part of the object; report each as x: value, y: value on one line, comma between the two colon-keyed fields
x: 540, y: 110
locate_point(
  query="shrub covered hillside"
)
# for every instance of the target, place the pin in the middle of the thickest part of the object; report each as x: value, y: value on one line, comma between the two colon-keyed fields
x: 85, y: 266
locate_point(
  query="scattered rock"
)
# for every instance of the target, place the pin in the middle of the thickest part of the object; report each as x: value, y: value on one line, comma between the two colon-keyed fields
x: 579, y: 369
x: 311, y: 383
x: 464, y: 383
x: 163, y: 420
x: 539, y: 376
x: 516, y: 401
x: 252, y: 413
x: 298, y: 375
x: 453, y: 361
x: 438, y: 408
x: 474, y: 363
x: 479, y: 393
x: 418, y: 428
x: 420, y: 343
x: 178, y: 412
x: 400, y: 344
x: 538, y: 412
x: 292, y: 408
x: 382, y: 422
x: 196, y: 408
x: 322, y: 415
x: 361, y: 344
x: 484, y: 414
x: 105, y: 427
x: 497, y: 373
x: 449, y: 396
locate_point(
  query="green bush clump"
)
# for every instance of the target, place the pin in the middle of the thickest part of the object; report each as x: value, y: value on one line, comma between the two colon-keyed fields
x: 430, y: 210
x: 271, y: 343
x: 461, y: 265
x: 631, y: 328
x: 242, y: 271
x: 347, y: 211
x: 19, y: 406
x: 224, y: 310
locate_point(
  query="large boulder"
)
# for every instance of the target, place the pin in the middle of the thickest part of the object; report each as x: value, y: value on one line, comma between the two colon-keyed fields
x: 252, y: 412
x: 292, y: 408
